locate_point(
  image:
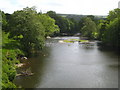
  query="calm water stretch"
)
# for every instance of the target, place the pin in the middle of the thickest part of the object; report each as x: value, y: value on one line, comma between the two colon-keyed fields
x: 71, y: 65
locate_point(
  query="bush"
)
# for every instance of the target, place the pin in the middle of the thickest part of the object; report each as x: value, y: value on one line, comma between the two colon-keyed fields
x: 8, y: 62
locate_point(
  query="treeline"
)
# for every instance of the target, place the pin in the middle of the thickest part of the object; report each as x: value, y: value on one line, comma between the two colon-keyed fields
x: 106, y: 30
x: 67, y: 26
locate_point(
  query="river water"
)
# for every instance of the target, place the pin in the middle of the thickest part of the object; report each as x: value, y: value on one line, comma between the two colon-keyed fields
x: 71, y: 65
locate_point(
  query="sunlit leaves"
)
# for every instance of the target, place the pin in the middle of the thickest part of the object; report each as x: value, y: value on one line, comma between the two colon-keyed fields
x: 89, y: 28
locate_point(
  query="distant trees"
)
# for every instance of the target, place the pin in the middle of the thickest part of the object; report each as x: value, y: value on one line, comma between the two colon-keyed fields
x: 89, y: 28
x: 80, y: 24
x: 66, y: 25
x: 49, y: 24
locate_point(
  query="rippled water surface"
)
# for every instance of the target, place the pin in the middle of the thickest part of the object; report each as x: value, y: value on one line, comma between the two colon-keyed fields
x: 71, y: 65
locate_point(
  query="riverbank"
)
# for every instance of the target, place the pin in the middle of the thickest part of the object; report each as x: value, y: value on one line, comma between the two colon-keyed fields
x: 10, y: 50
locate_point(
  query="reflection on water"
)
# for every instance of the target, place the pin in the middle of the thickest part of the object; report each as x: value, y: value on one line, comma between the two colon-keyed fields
x: 71, y: 65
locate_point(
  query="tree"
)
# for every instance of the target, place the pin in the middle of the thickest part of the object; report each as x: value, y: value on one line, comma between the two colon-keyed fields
x: 101, y: 28
x: 89, y: 29
x: 81, y: 24
x: 66, y: 25
x: 91, y: 17
x: 109, y: 30
x: 49, y: 24
x: 27, y: 28
x: 113, y: 14
x: 112, y: 34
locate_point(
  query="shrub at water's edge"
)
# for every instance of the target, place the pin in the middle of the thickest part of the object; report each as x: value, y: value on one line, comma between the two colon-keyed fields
x: 9, y: 53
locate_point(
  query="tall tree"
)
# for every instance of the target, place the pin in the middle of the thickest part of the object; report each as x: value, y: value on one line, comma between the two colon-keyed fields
x: 89, y: 29
x: 112, y: 34
x: 110, y: 30
x: 49, y: 24
x: 113, y: 14
x: 26, y: 27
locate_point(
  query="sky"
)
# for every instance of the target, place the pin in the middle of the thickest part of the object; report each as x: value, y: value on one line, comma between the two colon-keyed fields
x: 84, y: 7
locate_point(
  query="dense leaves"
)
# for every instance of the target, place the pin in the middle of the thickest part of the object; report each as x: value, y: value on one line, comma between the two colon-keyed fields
x: 110, y: 29
x: 66, y: 25
x: 25, y: 23
x: 9, y: 53
x: 112, y: 34
x: 113, y: 14
x: 89, y: 28
x: 49, y: 24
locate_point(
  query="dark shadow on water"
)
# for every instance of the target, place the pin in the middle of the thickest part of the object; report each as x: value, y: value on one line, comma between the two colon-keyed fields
x: 114, y: 66
x: 37, y: 65
x: 109, y: 49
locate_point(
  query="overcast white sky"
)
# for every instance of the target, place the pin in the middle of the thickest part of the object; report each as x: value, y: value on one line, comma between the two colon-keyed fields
x: 85, y: 7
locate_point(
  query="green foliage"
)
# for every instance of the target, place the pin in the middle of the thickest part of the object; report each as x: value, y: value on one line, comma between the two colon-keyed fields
x: 112, y: 34
x: 113, y: 14
x: 81, y: 24
x: 3, y: 20
x: 66, y: 25
x: 101, y: 28
x: 6, y: 83
x: 27, y: 23
x: 27, y: 31
x: 49, y: 24
x: 9, y: 53
x: 109, y: 30
x: 89, y: 29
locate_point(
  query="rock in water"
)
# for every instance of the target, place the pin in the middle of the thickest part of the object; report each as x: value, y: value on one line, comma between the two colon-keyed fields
x: 48, y: 37
x: 60, y: 41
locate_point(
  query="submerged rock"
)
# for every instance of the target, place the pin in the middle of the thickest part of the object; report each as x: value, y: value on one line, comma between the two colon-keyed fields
x: 26, y: 73
x: 19, y: 65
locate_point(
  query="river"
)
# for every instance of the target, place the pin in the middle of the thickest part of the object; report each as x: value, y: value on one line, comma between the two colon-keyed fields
x: 71, y: 65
